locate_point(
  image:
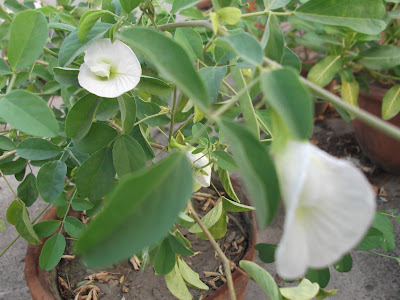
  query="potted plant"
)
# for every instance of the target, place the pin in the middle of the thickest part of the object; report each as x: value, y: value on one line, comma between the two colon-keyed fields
x: 368, y: 65
x: 128, y: 70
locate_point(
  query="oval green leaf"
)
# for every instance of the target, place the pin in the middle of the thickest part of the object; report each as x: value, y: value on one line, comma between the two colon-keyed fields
x: 126, y: 215
x: 28, y: 35
x: 177, y: 68
x: 37, y: 149
x: 29, y: 113
x: 50, y: 180
x: 52, y: 252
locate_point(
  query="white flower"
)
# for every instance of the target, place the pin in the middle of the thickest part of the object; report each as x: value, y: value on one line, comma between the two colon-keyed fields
x: 329, y: 208
x: 110, y: 69
x: 200, y: 160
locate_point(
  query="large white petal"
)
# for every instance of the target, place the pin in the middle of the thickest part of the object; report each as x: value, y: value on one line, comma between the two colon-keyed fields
x: 199, y: 160
x: 341, y: 205
x: 292, y: 253
x: 123, y: 62
x: 109, y: 88
x: 334, y: 208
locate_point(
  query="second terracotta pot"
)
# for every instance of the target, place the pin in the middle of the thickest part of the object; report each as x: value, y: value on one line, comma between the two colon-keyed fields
x: 377, y: 146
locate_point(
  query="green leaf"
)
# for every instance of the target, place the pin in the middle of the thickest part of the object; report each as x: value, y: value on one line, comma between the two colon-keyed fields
x: 96, y: 175
x: 127, y: 106
x: 73, y: 46
x: 185, y: 220
x: 304, y: 291
x: 146, y: 109
x: 322, y: 294
x: 230, y: 15
x: 246, y: 105
x: 266, y: 252
x: 290, y: 99
x: 153, y: 86
x: 129, y: 5
x: 233, y: 206
x: 46, y: 228
x: 50, y: 180
x: 382, y: 57
x: 73, y: 227
x: 273, y: 40
x: 13, y: 167
x: 99, y: 136
x: 182, y: 4
x: 37, y: 149
x: 373, y: 239
x: 28, y: 35
x: 87, y: 22
x: 80, y: 204
x: 190, y: 276
x: 27, y: 190
x: 164, y: 261
x: 52, y: 251
x: 4, y: 68
x: 29, y: 113
x: 391, y: 102
x: 66, y: 76
x: 61, y: 26
x: 6, y: 143
x: 175, y: 283
x: 178, y: 68
x: 345, y: 264
x: 323, y: 72
x: 105, y: 240
x: 263, y: 278
x: 359, y: 15
x: 138, y: 135
x: 212, y: 77
x: 384, y: 225
x: 350, y: 91
x: 290, y: 59
x: 244, y: 45
x: 321, y: 277
x: 275, y: 4
x: 18, y: 215
x: 80, y: 117
x: 209, y: 220
x: 2, y: 225
x: 128, y: 155
x: 178, y: 246
x: 191, y: 41
x: 225, y: 160
x: 256, y: 168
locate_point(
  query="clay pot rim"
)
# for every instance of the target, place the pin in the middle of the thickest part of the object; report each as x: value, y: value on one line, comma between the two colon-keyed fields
x: 39, y: 281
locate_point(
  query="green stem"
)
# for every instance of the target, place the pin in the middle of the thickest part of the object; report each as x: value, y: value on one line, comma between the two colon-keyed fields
x: 11, y: 84
x: 172, y: 117
x: 152, y: 116
x: 380, y: 254
x: 360, y: 114
x: 8, y: 154
x: 5, y: 14
x: 202, y: 23
x: 67, y: 211
x: 52, y: 53
x: 18, y: 236
x: 9, y: 186
x: 256, y: 14
x: 184, y: 124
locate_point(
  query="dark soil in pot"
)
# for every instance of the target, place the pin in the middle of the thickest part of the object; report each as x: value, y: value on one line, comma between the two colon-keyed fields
x: 122, y: 280
x: 380, y: 148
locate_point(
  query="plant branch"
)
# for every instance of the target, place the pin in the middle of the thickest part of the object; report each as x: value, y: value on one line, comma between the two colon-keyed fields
x: 11, y: 84
x: 360, y: 114
x: 171, y: 128
x: 221, y: 254
x: 5, y: 14
x: 152, y: 116
x: 9, y: 186
x: 8, y: 154
x: 18, y: 236
x: 199, y: 23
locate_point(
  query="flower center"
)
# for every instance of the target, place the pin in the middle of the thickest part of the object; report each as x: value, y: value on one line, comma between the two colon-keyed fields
x: 104, y: 69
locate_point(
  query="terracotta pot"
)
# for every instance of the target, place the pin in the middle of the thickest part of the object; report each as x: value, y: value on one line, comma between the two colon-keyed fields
x: 379, y: 147
x: 43, y: 285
